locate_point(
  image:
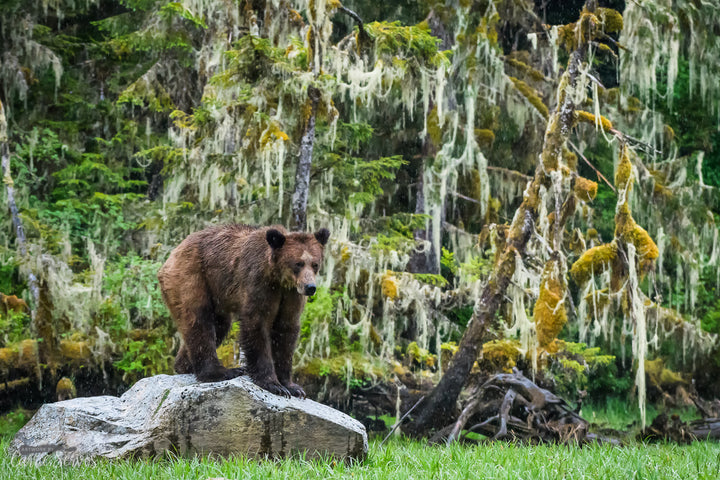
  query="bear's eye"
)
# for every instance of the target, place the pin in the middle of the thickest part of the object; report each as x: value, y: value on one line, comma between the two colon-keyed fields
x: 300, y: 264
x: 315, y: 266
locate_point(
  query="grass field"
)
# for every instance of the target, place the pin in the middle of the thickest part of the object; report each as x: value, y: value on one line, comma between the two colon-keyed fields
x: 404, y: 459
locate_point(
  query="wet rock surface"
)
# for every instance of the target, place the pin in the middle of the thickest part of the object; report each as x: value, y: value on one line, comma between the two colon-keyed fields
x: 178, y: 414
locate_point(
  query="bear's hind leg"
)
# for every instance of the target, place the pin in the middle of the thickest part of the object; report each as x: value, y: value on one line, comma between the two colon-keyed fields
x: 200, y: 338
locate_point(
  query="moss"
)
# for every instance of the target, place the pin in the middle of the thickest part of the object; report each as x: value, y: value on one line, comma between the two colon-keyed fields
x: 553, y: 144
x: 389, y: 285
x: 273, y: 133
x: 28, y: 354
x: 669, y: 133
x: 487, y: 28
x: 532, y: 96
x: 392, y: 38
x: 500, y: 355
x: 345, y: 254
x: 433, y: 128
x: 569, y: 158
x: 612, y: 20
x: 65, y: 389
x: 593, y: 261
x: 599, y: 299
x: 660, y: 191
x: 484, y: 137
x: 22, y: 355
x: 585, y: 189
x: 447, y: 352
x: 526, y: 69
x: 8, y: 358
x: 587, y: 117
x: 75, y: 350
x: 644, y: 244
x: 623, y: 175
x: 226, y: 354
x: 362, y: 366
x: 420, y: 356
x: 566, y: 36
x: 662, y: 377
x: 549, y: 313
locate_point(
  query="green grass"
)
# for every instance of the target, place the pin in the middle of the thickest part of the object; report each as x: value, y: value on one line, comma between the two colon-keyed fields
x: 407, y: 460
x: 617, y: 414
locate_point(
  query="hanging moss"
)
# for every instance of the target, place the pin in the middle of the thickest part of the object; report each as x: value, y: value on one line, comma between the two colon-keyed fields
x: 593, y: 261
x: 598, y: 299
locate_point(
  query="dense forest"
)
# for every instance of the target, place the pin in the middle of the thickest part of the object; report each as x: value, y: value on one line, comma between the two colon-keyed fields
x: 507, y: 183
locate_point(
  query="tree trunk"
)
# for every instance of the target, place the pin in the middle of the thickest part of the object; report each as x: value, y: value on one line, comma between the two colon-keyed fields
x: 14, y: 212
x: 424, y: 261
x: 302, y: 175
x: 438, y: 408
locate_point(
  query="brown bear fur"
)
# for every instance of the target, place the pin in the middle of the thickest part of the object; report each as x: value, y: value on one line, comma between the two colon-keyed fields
x: 11, y: 303
x: 259, y: 276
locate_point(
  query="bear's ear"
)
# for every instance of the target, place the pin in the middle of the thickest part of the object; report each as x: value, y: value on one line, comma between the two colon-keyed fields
x: 322, y: 236
x: 275, y: 239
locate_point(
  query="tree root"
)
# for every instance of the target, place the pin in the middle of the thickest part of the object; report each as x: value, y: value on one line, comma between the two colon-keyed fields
x: 512, y: 407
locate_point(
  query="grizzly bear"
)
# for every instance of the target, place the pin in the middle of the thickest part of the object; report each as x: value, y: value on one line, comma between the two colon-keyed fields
x: 258, y: 276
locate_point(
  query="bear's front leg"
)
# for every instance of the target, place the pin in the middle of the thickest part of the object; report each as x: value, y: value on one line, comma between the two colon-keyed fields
x: 255, y: 339
x: 285, y: 332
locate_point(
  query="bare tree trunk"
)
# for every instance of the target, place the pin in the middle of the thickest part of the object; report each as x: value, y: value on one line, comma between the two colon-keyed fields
x: 14, y: 212
x: 302, y: 175
x: 439, y: 407
x: 424, y: 261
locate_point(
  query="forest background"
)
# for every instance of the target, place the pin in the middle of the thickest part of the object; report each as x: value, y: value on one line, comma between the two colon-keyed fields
x: 412, y: 131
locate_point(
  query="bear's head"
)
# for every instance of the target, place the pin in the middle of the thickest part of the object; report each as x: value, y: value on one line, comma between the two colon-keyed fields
x: 297, y: 257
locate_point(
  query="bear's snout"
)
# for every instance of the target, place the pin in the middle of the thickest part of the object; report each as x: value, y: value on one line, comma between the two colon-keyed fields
x: 310, y: 289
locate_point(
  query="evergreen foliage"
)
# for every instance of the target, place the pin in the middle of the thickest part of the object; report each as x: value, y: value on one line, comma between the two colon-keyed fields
x: 132, y: 123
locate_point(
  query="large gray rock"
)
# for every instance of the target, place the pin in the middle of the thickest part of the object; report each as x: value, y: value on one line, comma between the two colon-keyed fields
x: 175, y: 413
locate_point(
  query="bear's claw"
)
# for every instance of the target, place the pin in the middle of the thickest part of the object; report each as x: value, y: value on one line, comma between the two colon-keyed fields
x: 296, y: 390
x: 274, y: 387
